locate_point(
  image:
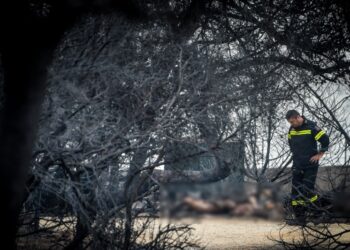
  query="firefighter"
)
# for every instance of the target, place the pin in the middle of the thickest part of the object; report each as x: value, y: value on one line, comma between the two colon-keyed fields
x: 303, y: 136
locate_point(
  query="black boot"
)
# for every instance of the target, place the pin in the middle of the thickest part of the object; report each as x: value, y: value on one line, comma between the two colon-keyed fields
x: 299, y: 216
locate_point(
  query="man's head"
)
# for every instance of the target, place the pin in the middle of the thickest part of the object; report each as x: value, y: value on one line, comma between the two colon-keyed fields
x: 294, y: 118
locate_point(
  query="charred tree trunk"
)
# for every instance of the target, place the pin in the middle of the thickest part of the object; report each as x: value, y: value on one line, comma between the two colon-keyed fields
x: 132, y: 186
x: 27, y: 47
x: 24, y: 89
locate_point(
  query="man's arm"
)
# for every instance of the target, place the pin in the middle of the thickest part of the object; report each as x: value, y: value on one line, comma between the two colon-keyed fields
x: 320, y: 136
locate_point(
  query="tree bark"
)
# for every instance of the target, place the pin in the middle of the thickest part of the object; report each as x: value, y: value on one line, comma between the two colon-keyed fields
x: 27, y: 45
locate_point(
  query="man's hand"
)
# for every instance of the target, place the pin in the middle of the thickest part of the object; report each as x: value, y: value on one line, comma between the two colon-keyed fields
x: 316, y: 157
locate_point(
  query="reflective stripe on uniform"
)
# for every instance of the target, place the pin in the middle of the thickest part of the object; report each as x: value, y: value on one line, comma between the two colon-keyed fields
x: 319, y: 135
x: 298, y: 202
x: 300, y: 132
x: 302, y: 202
x: 313, y: 198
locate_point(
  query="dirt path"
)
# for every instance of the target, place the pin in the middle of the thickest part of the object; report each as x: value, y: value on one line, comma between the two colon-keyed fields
x: 233, y: 233
x: 239, y: 233
x: 216, y: 232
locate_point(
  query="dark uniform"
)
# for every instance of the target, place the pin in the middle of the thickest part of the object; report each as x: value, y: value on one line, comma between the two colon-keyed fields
x: 303, y: 144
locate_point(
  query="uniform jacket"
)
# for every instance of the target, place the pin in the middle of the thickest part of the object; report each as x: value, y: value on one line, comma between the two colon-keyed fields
x: 303, y: 142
